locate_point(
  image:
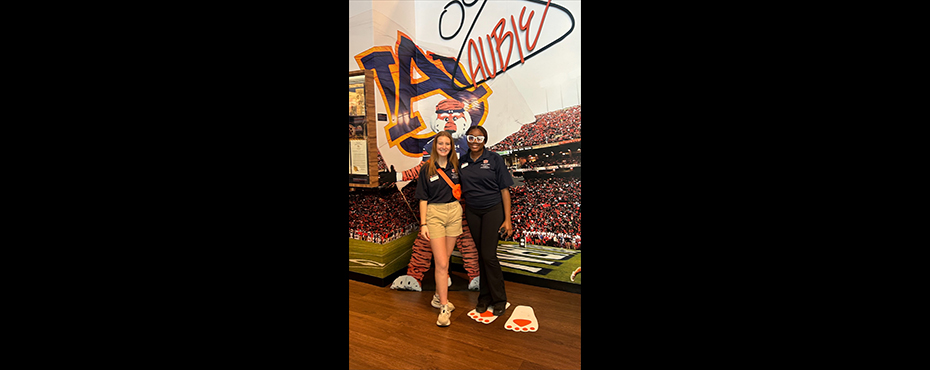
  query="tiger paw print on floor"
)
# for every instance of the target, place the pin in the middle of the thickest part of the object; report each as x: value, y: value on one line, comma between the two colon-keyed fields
x: 485, y: 317
x: 523, y: 320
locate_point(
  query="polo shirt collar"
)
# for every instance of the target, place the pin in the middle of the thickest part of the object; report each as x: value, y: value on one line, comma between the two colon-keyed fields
x: 484, y: 154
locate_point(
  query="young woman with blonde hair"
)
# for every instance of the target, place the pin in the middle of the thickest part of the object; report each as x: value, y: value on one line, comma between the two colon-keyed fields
x: 440, y: 213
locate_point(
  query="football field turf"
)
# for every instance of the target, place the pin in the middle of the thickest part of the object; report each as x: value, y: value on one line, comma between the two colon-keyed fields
x: 535, y: 260
x: 380, y: 260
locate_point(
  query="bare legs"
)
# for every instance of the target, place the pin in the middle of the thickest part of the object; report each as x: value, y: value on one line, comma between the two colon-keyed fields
x: 442, y: 252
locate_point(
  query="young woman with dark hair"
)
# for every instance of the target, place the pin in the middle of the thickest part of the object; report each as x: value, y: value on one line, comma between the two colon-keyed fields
x: 485, y: 191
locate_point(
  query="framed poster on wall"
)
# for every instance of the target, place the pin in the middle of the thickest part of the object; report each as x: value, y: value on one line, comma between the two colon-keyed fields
x: 363, y: 149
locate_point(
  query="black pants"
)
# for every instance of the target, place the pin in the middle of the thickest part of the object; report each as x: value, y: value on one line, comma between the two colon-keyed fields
x: 484, y: 225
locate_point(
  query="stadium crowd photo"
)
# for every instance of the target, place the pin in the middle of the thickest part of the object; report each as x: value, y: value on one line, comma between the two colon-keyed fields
x: 381, y: 216
x: 550, y: 127
x: 547, y: 211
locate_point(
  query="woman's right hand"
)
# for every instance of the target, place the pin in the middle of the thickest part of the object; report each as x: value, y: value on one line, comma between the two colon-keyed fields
x: 424, y: 232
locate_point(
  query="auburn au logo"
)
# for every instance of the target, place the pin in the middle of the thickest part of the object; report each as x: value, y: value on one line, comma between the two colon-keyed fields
x: 405, y: 74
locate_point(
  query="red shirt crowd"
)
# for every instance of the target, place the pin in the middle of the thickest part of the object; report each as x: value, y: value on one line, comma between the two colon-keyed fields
x: 544, y: 211
x: 548, y: 212
x: 378, y: 219
x: 550, y: 127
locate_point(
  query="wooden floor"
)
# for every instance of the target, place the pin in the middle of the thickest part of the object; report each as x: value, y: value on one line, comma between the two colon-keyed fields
x: 391, y: 329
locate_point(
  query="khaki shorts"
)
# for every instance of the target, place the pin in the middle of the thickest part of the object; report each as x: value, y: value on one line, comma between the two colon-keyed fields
x: 444, y: 219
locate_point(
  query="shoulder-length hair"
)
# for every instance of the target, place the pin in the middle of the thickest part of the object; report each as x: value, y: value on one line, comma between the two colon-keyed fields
x: 453, y: 157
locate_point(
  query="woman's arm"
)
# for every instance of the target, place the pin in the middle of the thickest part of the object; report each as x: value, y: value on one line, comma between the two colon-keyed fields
x: 423, y: 229
x: 507, y: 226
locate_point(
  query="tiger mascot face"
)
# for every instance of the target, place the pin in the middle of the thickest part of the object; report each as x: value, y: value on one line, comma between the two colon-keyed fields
x: 451, y: 116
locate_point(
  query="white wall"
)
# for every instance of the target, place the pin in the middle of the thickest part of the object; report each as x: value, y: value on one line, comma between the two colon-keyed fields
x: 360, y: 29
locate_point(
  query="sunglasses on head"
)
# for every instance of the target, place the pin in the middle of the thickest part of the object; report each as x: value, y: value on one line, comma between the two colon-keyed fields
x: 474, y: 139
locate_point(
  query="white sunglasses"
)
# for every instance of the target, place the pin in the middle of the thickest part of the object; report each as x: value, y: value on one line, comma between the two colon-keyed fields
x: 473, y: 139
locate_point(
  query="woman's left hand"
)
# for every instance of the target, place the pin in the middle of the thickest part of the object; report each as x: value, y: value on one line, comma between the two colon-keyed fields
x: 507, y: 227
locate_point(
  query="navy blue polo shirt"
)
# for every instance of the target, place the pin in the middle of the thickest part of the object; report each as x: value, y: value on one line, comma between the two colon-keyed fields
x: 483, y: 179
x: 435, y: 189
